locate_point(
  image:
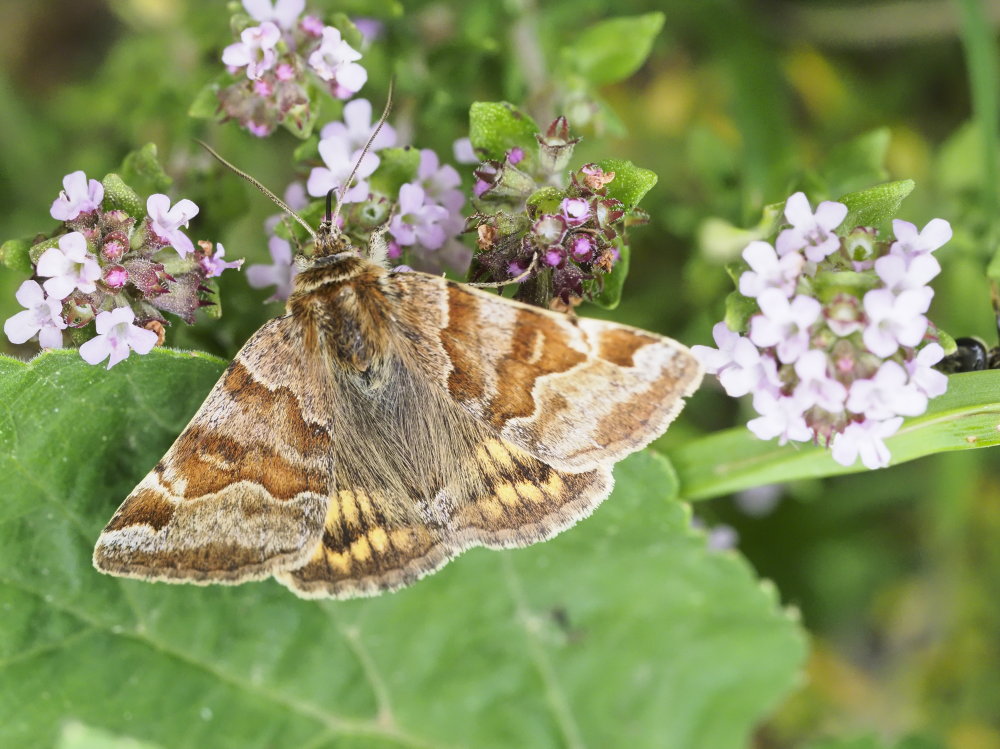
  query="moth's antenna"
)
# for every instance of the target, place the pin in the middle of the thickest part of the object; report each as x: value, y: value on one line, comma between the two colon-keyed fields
x: 274, y: 198
x: 364, y: 152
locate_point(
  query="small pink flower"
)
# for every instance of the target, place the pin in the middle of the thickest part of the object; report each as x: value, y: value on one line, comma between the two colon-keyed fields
x: 255, y: 51
x: 902, y: 273
x: 357, y: 127
x: 285, y: 13
x: 865, y: 439
x: 816, y: 387
x: 549, y: 229
x: 888, y: 393
x: 911, y: 242
x: 335, y: 61
x: 340, y: 161
x: 576, y: 211
x: 116, y: 336
x: 42, y: 317
x: 69, y: 267
x: 462, y: 151
x: 812, y: 232
x: 284, y: 71
x: 515, y: 155
x: 581, y: 247
x: 441, y: 182
x: 77, y: 196
x: 418, y: 221
x: 213, y: 265
x: 279, y: 274
x: 166, y: 221
x: 922, y: 373
x: 781, y: 416
x: 312, y: 25
x: 894, y: 321
x: 768, y: 271
x: 738, y: 364
x: 115, y: 276
x: 784, y: 324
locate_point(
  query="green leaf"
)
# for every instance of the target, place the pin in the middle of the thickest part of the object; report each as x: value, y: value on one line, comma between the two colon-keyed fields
x: 631, y: 182
x: 307, y: 151
x: 14, y: 254
x: 875, y: 205
x: 739, y: 310
x: 142, y: 172
x: 963, y: 418
x: 119, y: 196
x: 76, y: 735
x: 624, y: 631
x: 205, y: 105
x: 545, y: 200
x: 612, y: 50
x: 397, y: 166
x: 614, y: 281
x: 496, y: 127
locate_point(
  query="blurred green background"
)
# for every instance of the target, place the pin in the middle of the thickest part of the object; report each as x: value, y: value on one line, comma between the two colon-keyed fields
x: 896, y: 573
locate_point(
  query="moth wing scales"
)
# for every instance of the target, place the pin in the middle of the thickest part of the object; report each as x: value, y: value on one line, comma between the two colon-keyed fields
x: 244, y: 489
x: 576, y: 392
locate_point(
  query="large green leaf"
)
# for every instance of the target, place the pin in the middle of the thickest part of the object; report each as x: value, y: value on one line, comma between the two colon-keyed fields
x: 614, y: 49
x: 967, y: 416
x: 624, y: 631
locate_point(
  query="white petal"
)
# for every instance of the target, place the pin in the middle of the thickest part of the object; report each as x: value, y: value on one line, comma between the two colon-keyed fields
x: 53, y: 262
x: 358, y: 117
x: 320, y: 182
x: 21, y: 326
x: 141, y: 340
x: 50, y: 338
x: 237, y: 55
x: 830, y: 214
x: 797, y: 209
x: 259, y: 10
x: 157, y: 206
x: 96, y: 349
x: 936, y: 233
x: 29, y: 294
x: 60, y: 287
x: 352, y: 76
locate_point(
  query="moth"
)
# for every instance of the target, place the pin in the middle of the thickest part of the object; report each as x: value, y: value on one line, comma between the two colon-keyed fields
x: 387, y: 422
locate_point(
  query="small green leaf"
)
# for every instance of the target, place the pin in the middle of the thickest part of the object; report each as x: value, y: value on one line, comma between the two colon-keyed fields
x: 142, y: 172
x: 875, y: 205
x: 14, y: 254
x: 614, y: 281
x: 739, y: 310
x: 612, y: 50
x: 965, y: 417
x: 397, y: 166
x: 631, y: 182
x: 206, y: 102
x: 119, y: 196
x: 36, y: 250
x: 496, y: 127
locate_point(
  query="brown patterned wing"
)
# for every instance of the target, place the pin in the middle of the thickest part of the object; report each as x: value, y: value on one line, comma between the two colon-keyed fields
x: 244, y: 490
x: 511, y: 499
x: 575, y: 392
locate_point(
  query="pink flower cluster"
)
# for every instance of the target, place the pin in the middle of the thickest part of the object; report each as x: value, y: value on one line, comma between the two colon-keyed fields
x: 844, y: 371
x: 108, y: 268
x: 275, y: 60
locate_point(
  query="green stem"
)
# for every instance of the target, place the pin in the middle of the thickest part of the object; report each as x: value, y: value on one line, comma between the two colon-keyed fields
x: 967, y: 416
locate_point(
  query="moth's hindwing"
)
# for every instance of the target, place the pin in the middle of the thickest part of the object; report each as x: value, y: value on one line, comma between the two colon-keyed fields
x: 244, y: 489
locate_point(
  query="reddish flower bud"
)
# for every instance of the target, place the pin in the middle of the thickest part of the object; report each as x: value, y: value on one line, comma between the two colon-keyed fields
x: 115, y: 276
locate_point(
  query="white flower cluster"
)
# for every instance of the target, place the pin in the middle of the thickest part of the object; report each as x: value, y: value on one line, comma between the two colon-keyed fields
x: 844, y: 371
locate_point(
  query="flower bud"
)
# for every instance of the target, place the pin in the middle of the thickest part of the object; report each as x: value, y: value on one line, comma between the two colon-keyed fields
x: 115, y: 276
x: 114, y: 246
x: 555, y: 147
x: 860, y: 244
x: 581, y: 247
x: 501, y: 179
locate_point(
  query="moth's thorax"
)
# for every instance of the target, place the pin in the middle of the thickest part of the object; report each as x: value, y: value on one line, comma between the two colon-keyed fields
x: 342, y: 306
